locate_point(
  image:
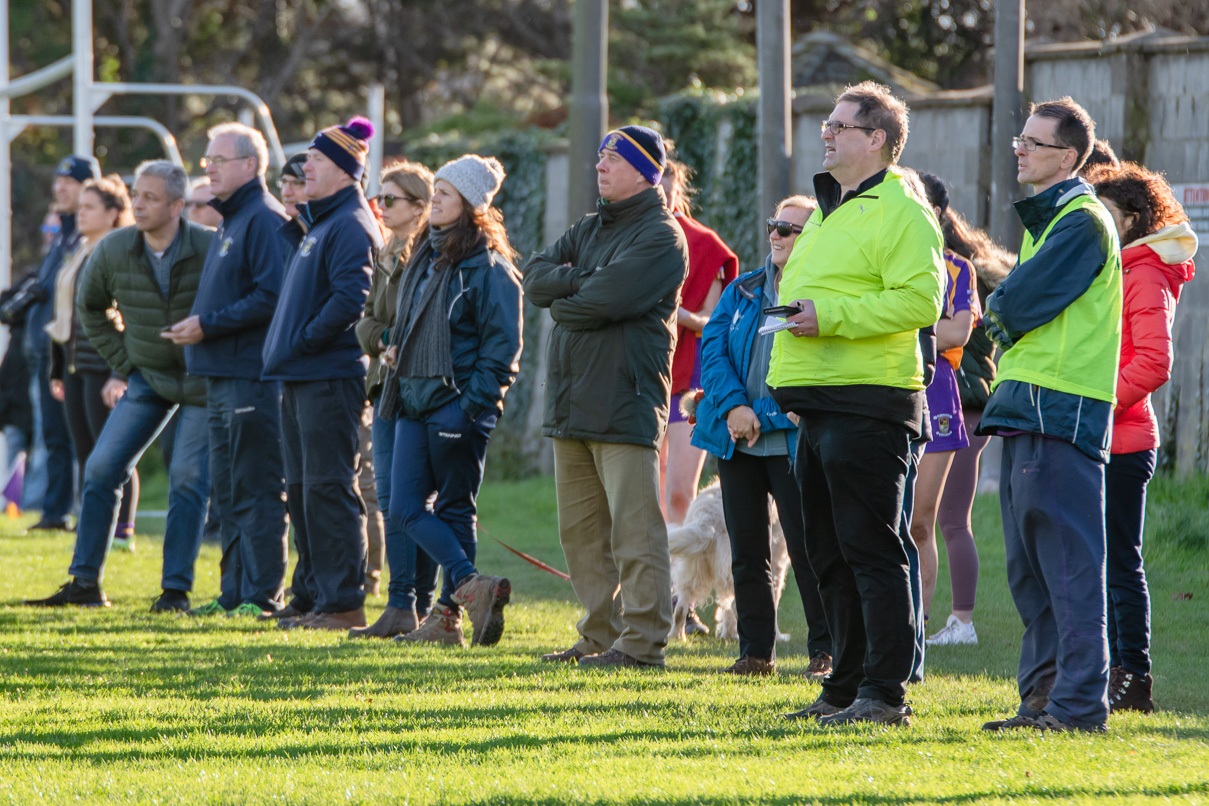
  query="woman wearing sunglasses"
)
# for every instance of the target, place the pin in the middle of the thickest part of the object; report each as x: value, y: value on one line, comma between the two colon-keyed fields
x: 403, y: 204
x: 454, y: 350
x: 740, y: 423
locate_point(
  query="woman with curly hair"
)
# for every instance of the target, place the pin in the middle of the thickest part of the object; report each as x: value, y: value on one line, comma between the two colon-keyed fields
x: 78, y: 373
x: 454, y: 350
x: 406, y: 190
x: 1157, y: 246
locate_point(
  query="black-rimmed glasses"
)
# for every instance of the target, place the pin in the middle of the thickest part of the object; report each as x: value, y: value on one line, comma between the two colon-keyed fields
x: 387, y: 200
x: 835, y: 127
x: 1029, y: 144
x: 782, y: 228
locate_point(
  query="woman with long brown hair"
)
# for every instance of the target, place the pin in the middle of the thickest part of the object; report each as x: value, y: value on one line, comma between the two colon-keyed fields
x: 454, y: 350
x: 1157, y: 247
x: 406, y: 191
x: 78, y: 373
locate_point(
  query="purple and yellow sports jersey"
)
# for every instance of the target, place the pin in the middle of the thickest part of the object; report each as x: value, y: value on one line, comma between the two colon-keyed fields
x: 961, y: 294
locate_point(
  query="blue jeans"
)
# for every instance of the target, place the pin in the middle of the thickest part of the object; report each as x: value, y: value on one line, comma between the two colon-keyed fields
x: 248, y: 489
x: 413, y: 574
x: 1052, y: 498
x: 1125, y: 481
x: 319, y: 425
x: 60, y: 457
x: 131, y: 428
x: 443, y: 454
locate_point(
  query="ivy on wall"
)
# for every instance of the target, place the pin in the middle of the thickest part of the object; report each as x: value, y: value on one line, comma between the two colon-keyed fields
x: 522, y: 200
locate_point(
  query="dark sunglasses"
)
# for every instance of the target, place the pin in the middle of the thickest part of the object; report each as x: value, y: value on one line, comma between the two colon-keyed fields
x: 387, y: 200
x: 783, y: 228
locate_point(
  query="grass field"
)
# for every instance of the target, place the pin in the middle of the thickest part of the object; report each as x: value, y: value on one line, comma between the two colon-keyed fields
x: 121, y: 706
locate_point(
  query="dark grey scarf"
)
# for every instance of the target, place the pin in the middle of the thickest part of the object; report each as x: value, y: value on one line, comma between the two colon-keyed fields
x: 421, y: 330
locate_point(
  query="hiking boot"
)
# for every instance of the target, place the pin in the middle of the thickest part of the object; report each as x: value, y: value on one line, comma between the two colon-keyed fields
x: 955, y: 632
x: 297, y: 621
x: 753, y: 667
x: 571, y: 655
x: 289, y: 611
x: 693, y: 624
x: 614, y: 657
x: 484, y: 598
x: 816, y: 710
x: 393, y: 621
x: 171, y: 601
x: 125, y: 544
x: 443, y: 626
x: 867, y: 709
x: 61, y: 525
x: 250, y: 609
x: 1041, y: 722
x: 1130, y: 692
x: 337, y: 622
x: 211, y: 608
x: 820, y: 667
x: 78, y: 592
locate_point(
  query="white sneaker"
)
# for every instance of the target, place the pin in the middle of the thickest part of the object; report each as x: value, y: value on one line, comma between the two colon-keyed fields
x: 955, y: 631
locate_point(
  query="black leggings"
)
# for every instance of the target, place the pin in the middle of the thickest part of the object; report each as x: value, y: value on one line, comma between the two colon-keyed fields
x: 86, y: 415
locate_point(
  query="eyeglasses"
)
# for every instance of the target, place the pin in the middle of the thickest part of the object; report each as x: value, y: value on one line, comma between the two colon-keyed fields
x: 1029, y: 144
x: 783, y: 228
x: 836, y: 127
x: 290, y: 181
x: 387, y: 200
x: 219, y: 162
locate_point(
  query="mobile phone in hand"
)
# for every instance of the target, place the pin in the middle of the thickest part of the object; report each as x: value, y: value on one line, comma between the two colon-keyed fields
x: 782, y: 311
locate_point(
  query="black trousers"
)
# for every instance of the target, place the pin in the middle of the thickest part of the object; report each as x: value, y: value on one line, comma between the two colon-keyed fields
x: 851, y: 471
x: 747, y: 481
x: 319, y: 422
x: 86, y: 414
x: 1125, y: 480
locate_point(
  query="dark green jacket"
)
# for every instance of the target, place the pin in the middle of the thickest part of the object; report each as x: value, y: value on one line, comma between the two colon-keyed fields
x: 118, y: 276
x: 609, y: 359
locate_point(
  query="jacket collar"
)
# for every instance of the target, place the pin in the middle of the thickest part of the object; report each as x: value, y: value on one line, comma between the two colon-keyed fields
x: 236, y: 201
x: 1036, y: 212
x: 631, y: 209
x: 827, y: 190
x: 751, y: 285
x: 314, y: 211
x: 184, y: 238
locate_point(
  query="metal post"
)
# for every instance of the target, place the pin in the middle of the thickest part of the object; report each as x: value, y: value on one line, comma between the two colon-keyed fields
x: 377, y: 144
x: 6, y: 184
x: 81, y: 100
x: 589, y: 103
x: 1007, y: 118
x: 773, y: 121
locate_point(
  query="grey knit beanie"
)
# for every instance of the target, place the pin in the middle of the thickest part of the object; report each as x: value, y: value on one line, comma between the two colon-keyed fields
x: 477, y: 178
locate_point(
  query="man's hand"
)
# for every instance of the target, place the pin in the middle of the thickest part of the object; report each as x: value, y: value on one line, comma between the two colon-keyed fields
x: 390, y: 356
x: 793, y: 418
x: 112, y: 392
x: 57, y: 391
x: 742, y: 423
x: 806, y: 323
x: 186, y: 331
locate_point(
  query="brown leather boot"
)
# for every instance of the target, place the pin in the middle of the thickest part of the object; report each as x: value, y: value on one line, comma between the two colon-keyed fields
x: 443, y: 626
x: 484, y: 598
x: 289, y: 611
x: 337, y: 622
x: 393, y: 621
x: 297, y: 621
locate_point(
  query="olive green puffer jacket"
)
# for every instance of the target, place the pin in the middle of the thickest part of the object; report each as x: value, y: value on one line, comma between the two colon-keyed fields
x: 118, y: 276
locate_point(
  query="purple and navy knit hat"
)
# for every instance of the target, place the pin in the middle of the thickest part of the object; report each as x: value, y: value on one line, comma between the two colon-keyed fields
x: 347, y: 145
x: 641, y: 147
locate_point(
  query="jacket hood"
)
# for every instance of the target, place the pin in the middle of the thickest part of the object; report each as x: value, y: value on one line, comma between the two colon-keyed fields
x: 1174, y: 245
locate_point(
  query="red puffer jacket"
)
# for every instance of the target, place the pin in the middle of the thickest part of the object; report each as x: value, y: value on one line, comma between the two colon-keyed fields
x: 1156, y: 268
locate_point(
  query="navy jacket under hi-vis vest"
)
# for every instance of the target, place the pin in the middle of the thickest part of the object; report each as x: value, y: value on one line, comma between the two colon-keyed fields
x: 240, y: 282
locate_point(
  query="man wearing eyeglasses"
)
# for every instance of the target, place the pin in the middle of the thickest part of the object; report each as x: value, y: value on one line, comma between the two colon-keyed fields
x: 1057, y: 317
x: 223, y: 339
x: 866, y: 274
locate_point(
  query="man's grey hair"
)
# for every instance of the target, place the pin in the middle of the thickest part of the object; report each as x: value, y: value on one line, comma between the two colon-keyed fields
x: 176, y: 181
x: 248, y: 143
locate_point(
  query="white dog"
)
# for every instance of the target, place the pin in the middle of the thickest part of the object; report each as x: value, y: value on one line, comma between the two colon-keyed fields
x: 700, y: 549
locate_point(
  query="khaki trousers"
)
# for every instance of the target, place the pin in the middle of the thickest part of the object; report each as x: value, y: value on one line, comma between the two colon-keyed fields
x: 615, y: 541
